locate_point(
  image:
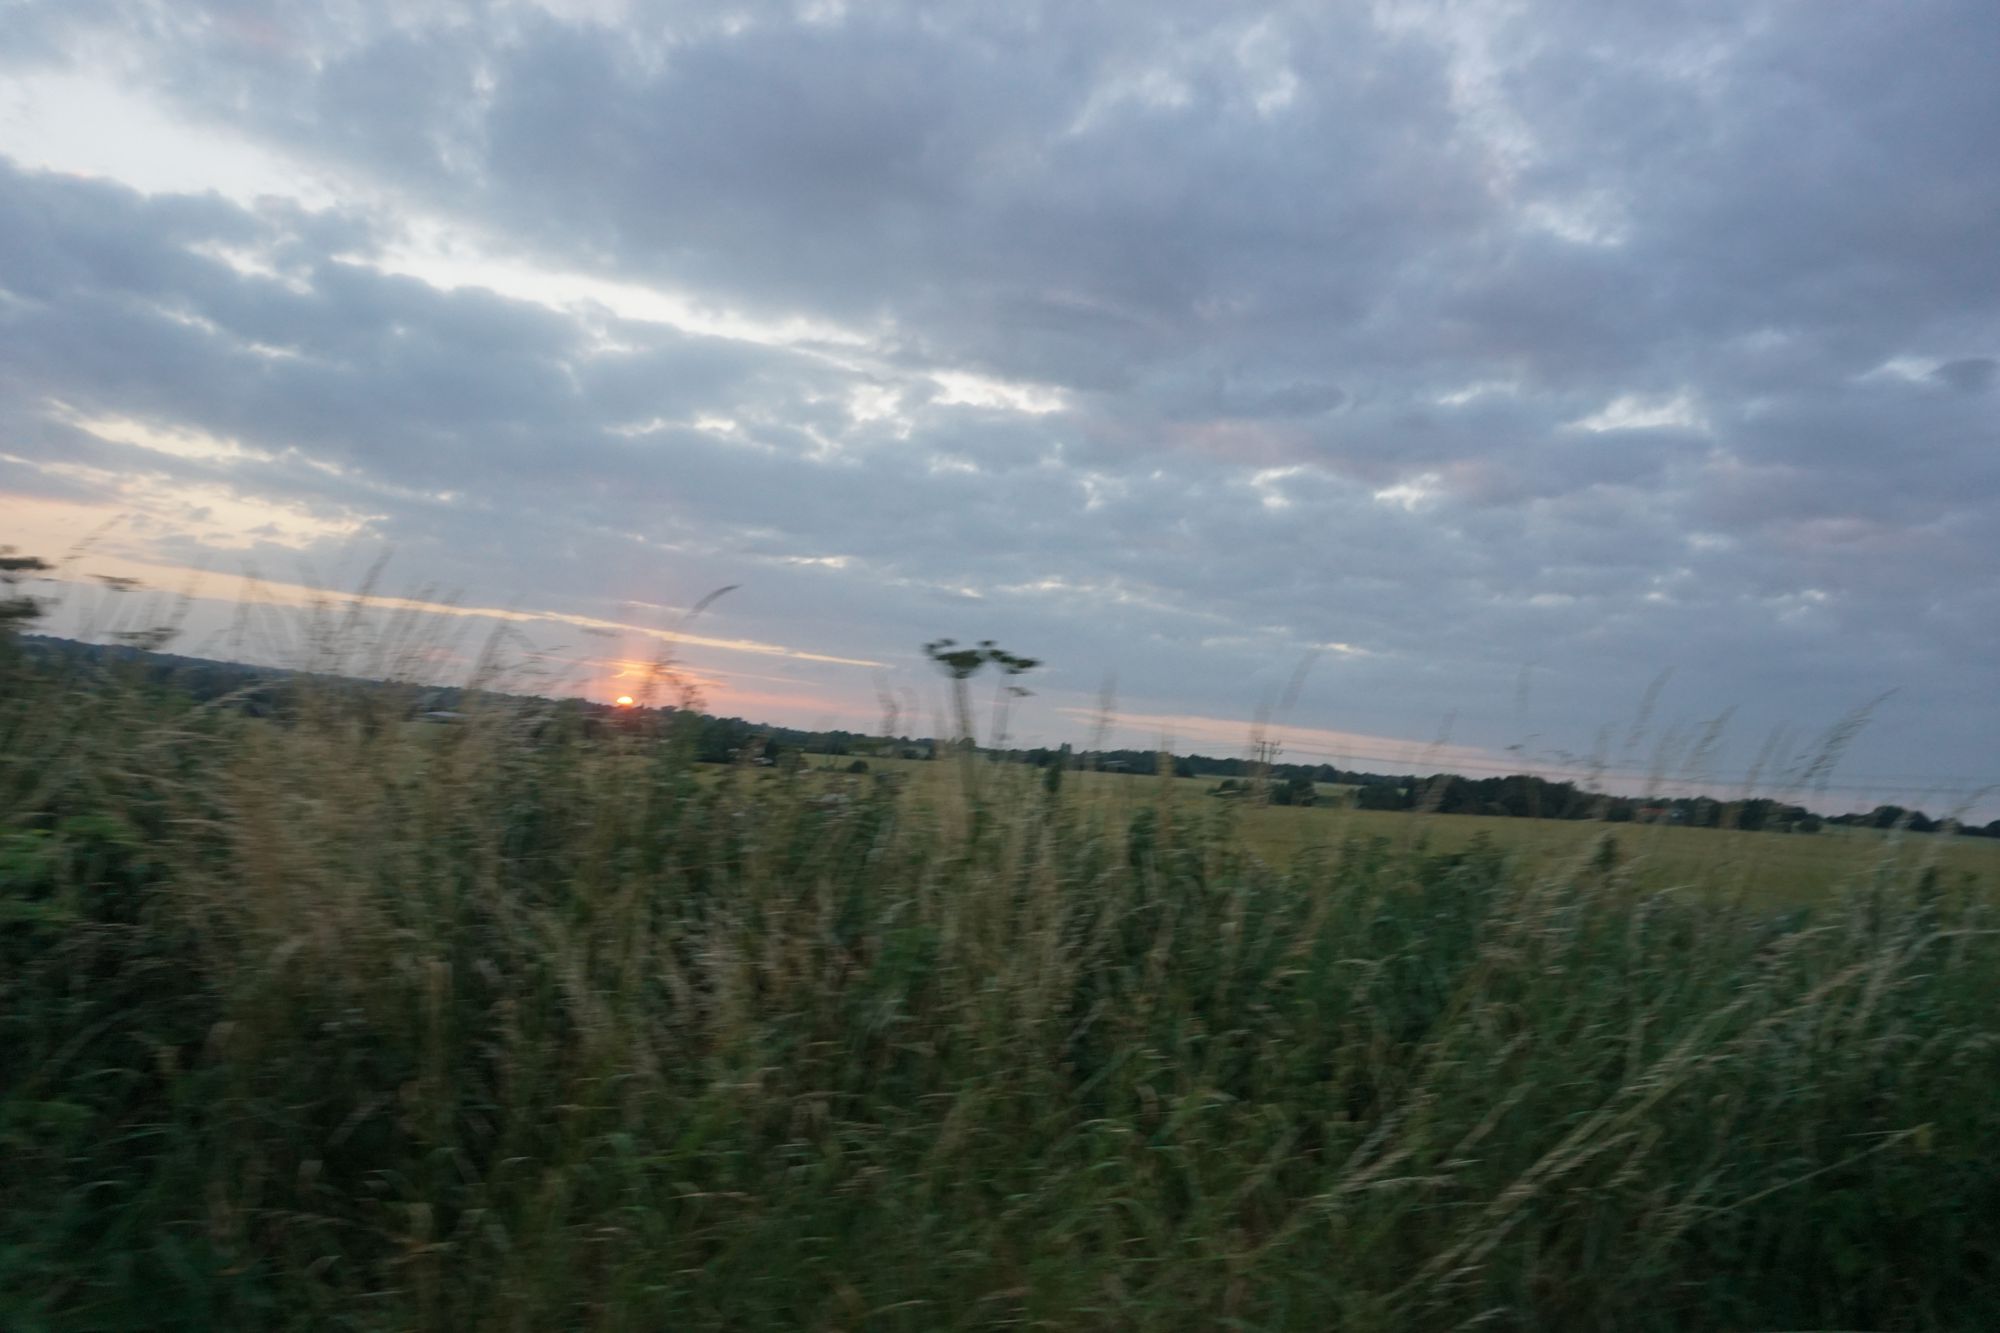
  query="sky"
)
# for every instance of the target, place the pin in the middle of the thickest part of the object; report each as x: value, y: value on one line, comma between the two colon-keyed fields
x: 1492, y: 386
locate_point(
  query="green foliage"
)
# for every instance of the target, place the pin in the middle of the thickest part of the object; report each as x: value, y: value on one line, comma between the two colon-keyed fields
x: 1294, y: 791
x: 1382, y: 796
x: 313, y: 1023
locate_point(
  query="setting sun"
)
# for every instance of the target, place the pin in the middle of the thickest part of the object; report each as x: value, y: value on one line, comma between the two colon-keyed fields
x: 623, y: 701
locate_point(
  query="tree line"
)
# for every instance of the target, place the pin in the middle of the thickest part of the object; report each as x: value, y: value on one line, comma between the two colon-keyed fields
x: 718, y: 739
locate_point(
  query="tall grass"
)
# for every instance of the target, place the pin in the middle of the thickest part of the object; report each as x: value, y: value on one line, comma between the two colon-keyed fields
x: 327, y: 1021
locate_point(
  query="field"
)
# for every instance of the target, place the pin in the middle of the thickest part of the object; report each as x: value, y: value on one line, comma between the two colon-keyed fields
x: 1777, y: 869
x: 316, y: 1020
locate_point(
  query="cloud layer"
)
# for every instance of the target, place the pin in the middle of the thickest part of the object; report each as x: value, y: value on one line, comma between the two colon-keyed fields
x: 1502, y: 357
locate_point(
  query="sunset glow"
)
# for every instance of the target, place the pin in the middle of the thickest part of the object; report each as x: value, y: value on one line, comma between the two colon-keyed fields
x: 623, y: 701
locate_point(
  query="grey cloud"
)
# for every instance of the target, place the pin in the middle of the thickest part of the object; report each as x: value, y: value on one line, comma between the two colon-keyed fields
x: 1325, y: 362
x: 1969, y: 374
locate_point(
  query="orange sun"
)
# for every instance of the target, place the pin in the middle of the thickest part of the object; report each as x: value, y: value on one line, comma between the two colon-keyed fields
x: 623, y: 701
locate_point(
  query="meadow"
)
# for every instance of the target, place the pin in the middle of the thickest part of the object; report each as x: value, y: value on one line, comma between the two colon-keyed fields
x: 1776, y: 869
x: 308, y: 1021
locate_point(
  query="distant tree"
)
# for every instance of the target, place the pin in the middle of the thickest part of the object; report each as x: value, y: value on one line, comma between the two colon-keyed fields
x: 1752, y: 816
x: 1449, y: 794
x: 1294, y: 791
x: 858, y: 766
x: 18, y: 609
x: 1896, y: 816
x: 1382, y: 796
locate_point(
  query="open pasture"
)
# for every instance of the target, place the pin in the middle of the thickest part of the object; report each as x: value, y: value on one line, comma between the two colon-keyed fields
x: 1767, y: 867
